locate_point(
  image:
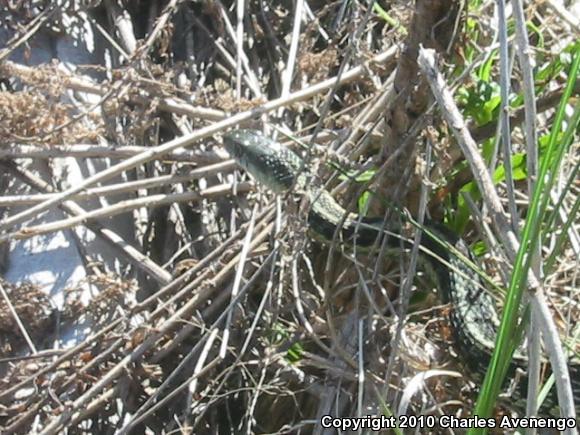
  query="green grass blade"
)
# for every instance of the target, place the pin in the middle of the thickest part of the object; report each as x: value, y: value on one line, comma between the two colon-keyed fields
x: 530, y: 236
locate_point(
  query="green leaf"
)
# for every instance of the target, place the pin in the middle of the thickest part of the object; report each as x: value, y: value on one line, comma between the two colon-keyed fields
x: 363, y: 201
x: 479, y: 248
x: 295, y: 353
x: 484, y: 73
x: 481, y: 102
x: 535, y: 29
x: 519, y: 169
x: 531, y: 234
x: 461, y: 217
x: 359, y: 178
x: 489, y: 108
x: 384, y: 15
x: 548, y: 72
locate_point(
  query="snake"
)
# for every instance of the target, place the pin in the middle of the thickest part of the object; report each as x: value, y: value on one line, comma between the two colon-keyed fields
x: 473, y: 318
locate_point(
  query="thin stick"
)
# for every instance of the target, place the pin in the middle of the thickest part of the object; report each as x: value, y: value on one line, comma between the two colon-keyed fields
x: 202, y: 295
x: 118, y: 188
x: 110, y: 39
x: 238, y: 280
x: 250, y: 77
x: 33, y: 27
x: 482, y: 177
x: 70, y: 81
x: 16, y: 318
x: 230, y: 370
x: 360, y: 368
x: 199, y: 365
x: 551, y: 335
x: 288, y: 72
x: 160, y: 24
x: 122, y: 22
x: 504, y: 114
x: 81, y: 151
x: 565, y: 14
x: 468, y: 146
x: 123, y: 207
x: 523, y: 52
x: 201, y: 266
x: 64, y: 357
x: 190, y: 139
x: 239, y: 46
x: 148, y: 406
x: 119, y: 245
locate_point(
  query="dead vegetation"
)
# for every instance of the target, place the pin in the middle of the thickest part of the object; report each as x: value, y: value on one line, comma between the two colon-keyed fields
x: 209, y: 307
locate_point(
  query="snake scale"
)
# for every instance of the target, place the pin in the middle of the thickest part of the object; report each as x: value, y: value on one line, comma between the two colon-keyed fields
x: 474, y: 318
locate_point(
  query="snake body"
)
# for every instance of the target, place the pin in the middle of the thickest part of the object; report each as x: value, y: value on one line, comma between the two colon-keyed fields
x: 474, y: 318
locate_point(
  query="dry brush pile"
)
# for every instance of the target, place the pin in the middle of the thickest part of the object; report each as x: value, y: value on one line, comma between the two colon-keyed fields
x: 211, y: 308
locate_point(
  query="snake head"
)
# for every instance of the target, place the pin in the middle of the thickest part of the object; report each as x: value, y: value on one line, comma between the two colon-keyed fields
x: 268, y: 161
x: 243, y: 145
